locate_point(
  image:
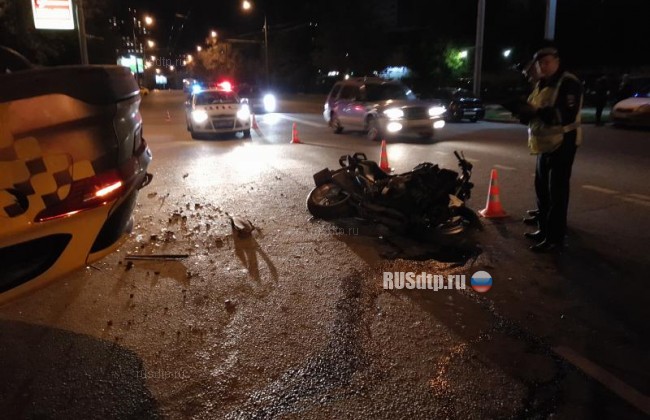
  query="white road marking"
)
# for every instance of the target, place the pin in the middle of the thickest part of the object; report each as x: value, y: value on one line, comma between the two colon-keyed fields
x: 599, y: 189
x: 640, y: 196
x: 302, y: 121
x: 505, y: 168
x: 634, y: 200
x: 441, y: 153
x: 611, y: 382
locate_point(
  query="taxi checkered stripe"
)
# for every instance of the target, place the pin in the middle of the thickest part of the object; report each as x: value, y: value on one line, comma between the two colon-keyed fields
x: 44, y: 179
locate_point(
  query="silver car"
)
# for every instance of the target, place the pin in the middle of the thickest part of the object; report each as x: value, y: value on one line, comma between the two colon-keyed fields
x: 381, y: 108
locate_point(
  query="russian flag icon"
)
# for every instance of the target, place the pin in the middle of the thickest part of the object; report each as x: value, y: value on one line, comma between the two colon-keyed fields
x: 481, y: 281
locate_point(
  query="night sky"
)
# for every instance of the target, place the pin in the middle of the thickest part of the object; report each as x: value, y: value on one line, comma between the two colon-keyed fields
x: 591, y: 32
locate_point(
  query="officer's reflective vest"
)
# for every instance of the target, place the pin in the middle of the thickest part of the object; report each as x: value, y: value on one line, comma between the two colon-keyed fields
x: 544, y: 138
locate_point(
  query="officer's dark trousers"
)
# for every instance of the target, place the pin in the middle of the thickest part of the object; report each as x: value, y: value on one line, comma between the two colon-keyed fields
x: 552, y: 179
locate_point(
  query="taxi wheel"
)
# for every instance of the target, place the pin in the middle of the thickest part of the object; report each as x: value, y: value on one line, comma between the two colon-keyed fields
x: 247, y: 133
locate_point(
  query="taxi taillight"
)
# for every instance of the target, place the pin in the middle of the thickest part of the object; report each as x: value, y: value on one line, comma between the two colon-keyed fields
x: 85, y: 194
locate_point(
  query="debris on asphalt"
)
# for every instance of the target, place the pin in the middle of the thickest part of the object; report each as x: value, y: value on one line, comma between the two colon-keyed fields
x: 129, y: 265
x: 185, y: 175
x: 242, y: 226
x: 152, y: 195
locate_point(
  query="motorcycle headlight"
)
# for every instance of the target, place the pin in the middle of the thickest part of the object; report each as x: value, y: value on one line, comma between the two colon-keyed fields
x: 269, y: 103
x: 394, y: 113
x: 244, y: 112
x: 436, y: 111
x: 199, y: 116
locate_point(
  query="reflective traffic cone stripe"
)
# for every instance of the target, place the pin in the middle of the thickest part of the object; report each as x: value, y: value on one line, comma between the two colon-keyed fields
x: 493, y: 207
x: 383, y: 158
x: 294, y: 134
x: 254, y: 125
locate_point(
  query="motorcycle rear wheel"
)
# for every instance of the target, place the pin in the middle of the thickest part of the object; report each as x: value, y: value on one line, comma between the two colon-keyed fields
x: 328, y: 201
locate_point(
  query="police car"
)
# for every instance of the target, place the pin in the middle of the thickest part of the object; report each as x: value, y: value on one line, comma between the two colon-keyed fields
x: 72, y: 159
x: 215, y: 111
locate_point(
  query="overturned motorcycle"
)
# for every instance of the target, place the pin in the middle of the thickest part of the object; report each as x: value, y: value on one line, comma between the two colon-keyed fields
x: 427, y: 202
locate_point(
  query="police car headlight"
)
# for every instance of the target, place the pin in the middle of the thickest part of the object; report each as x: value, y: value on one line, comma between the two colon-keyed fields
x: 437, y: 111
x: 244, y: 113
x: 199, y: 116
x: 394, y: 113
x: 269, y: 103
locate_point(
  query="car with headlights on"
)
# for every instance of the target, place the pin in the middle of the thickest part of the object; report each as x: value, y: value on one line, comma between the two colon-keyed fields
x: 72, y: 160
x: 460, y: 103
x: 634, y: 111
x: 381, y: 109
x: 259, y: 100
x: 217, y: 111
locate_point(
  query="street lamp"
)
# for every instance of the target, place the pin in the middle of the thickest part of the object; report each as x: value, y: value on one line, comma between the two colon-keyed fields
x: 247, y: 5
x: 198, y: 48
x: 148, y: 20
x: 150, y: 43
x: 462, y: 54
x: 506, y: 53
x: 213, y: 34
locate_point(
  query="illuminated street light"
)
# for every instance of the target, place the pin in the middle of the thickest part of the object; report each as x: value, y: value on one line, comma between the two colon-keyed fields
x: 506, y: 53
x: 171, y: 68
x: 198, y: 48
x: 148, y: 20
x: 462, y: 54
x: 150, y: 43
x: 213, y: 34
x: 189, y: 58
x: 246, y: 5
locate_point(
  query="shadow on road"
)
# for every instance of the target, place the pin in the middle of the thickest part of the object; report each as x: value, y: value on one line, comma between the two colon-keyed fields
x: 52, y: 373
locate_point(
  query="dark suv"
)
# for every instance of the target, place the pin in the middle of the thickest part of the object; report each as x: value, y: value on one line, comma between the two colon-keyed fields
x: 380, y: 108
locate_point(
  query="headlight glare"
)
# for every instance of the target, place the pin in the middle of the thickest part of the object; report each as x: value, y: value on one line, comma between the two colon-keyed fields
x: 244, y: 113
x: 436, y: 111
x: 199, y: 116
x: 394, y: 113
x: 269, y: 103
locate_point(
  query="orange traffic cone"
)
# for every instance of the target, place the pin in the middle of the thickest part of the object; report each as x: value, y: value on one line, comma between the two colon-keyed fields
x: 294, y: 135
x: 493, y: 207
x: 383, y: 159
x: 254, y: 125
x: 168, y: 117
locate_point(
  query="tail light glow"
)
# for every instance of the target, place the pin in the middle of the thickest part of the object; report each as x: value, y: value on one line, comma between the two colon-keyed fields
x: 85, y: 194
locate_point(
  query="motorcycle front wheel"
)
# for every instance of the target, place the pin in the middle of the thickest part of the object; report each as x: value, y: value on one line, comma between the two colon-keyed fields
x: 328, y: 201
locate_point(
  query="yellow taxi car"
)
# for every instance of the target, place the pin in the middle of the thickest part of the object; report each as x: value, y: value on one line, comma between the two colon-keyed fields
x: 72, y: 159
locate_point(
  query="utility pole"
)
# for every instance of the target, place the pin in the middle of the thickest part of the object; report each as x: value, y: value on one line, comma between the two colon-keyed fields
x: 478, y: 49
x: 549, y: 30
x: 81, y: 30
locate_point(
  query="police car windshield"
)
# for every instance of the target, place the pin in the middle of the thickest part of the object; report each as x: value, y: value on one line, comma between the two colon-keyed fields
x: 376, y: 92
x: 211, y: 98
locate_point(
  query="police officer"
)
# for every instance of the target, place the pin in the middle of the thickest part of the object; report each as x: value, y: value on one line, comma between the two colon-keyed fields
x: 554, y: 133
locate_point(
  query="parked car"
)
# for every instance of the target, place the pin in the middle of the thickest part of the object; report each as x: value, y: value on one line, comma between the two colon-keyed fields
x: 634, y: 111
x: 259, y: 100
x: 380, y: 108
x: 460, y: 103
x: 72, y: 160
x: 216, y: 111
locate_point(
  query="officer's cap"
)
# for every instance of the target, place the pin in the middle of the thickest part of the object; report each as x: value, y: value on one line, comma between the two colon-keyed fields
x: 544, y: 52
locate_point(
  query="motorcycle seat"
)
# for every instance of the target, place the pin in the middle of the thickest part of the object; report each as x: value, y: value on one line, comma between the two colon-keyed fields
x: 371, y: 170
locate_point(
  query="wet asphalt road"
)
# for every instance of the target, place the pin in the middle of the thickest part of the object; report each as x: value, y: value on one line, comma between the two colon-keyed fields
x: 294, y: 323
